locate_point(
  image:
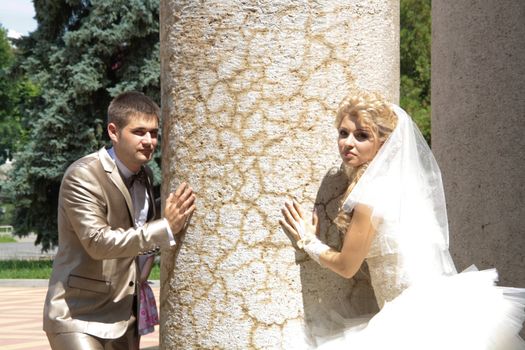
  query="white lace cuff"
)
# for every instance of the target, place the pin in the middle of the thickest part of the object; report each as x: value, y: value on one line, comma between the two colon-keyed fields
x: 314, y: 248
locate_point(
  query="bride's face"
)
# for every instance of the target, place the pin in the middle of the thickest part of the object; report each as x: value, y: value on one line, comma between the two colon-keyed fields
x: 357, y: 144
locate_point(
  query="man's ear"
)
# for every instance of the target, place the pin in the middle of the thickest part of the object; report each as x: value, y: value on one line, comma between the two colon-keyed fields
x: 113, y: 132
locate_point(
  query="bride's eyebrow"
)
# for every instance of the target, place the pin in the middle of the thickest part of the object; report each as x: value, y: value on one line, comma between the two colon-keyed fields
x: 363, y: 128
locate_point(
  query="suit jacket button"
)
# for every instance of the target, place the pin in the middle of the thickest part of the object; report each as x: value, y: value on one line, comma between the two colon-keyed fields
x: 131, y: 283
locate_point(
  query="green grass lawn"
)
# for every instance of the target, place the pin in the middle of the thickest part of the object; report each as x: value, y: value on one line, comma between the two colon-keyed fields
x: 4, y: 238
x: 41, y: 269
x: 25, y: 269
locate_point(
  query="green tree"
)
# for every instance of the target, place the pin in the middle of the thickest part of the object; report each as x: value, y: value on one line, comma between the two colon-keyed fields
x: 15, y: 93
x: 81, y: 55
x: 415, y: 36
x: 8, y: 127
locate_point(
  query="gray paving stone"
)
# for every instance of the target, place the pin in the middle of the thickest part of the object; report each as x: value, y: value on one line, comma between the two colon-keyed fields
x: 24, y: 249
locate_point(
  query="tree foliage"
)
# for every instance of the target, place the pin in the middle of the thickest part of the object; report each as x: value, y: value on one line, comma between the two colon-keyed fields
x: 15, y: 93
x: 81, y: 55
x: 415, y: 36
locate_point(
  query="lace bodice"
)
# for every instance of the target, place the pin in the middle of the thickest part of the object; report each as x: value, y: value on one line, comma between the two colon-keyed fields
x: 384, y: 277
x: 392, y: 273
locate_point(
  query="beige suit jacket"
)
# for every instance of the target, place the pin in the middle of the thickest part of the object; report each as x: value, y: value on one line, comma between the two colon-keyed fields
x: 94, y: 272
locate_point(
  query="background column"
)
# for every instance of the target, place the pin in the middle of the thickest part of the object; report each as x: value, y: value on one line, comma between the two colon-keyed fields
x: 249, y: 91
x: 478, y: 126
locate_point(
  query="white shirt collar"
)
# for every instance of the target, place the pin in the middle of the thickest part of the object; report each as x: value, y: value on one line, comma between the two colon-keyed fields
x: 124, y: 171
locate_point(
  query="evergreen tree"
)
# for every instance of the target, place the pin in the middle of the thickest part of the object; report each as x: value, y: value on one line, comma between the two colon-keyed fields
x: 415, y: 38
x: 81, y: 55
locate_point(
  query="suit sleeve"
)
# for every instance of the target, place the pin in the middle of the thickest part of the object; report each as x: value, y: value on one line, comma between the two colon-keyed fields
x: 104, y: 232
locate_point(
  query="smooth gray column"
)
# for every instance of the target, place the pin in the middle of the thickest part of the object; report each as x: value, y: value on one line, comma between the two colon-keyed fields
x: 478, y: 127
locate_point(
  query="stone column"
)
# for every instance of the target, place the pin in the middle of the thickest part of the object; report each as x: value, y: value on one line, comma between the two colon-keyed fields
x: 249, y: 90
x: 478, y: 127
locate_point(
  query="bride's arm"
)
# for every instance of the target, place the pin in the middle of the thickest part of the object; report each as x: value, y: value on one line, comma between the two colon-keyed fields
x: 356, y: 245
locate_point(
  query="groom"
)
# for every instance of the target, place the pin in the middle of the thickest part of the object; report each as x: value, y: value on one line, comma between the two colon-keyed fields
x: 106, y: 217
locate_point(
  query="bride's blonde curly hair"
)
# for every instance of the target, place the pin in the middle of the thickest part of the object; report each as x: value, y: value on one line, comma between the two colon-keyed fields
x: 375, y: 112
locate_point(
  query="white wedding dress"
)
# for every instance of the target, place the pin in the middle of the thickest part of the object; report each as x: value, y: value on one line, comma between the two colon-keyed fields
x: 424, y: 303
x: 461, y: 311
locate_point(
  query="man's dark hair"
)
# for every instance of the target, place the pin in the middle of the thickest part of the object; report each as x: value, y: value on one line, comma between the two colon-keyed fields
x: 128, y: 104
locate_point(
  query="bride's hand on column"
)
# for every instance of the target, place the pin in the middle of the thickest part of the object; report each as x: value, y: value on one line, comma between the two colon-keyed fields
x: 297, y: 225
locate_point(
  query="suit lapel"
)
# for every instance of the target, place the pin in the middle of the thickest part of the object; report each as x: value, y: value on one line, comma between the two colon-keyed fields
x: 112, y: 171
x: 149, y: 187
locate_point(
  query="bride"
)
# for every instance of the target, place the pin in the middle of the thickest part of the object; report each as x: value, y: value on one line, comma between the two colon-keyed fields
x: 394, y: 217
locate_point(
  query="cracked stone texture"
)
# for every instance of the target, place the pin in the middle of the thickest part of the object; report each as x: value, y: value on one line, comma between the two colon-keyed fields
x: 249, y: 91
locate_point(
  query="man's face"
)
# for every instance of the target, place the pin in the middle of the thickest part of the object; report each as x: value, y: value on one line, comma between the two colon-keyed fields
x: 135, y: 143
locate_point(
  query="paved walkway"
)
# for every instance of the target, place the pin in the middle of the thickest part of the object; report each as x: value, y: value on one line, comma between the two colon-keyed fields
x: 21, y: 305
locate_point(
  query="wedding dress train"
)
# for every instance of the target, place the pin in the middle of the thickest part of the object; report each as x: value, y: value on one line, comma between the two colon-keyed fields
x: 459, y: 311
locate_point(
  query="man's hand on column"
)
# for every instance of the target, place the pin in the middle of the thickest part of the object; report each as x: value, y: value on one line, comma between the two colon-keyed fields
x: 179, y: 207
